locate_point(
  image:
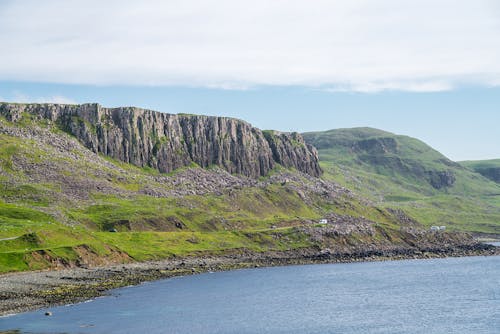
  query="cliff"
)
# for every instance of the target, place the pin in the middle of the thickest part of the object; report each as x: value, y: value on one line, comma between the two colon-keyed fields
x: 167, y: 142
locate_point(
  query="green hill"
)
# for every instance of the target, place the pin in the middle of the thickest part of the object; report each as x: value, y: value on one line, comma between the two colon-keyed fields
x: 403, y: 172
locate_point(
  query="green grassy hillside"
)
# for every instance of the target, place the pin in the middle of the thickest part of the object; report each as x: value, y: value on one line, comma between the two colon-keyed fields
x: 62, y: 205
x: 403, y: 172
x: 488, y: 168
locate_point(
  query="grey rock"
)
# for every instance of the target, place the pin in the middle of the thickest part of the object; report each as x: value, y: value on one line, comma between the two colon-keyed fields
x: 441, y: 179
x: 290, y: 150
x: 167, y: 142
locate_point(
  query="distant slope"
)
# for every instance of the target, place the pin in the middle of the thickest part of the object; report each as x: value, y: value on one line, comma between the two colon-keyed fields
x: 401, y: 171
x: 487, y: 168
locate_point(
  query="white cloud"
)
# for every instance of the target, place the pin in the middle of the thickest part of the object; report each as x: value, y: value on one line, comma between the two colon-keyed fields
x: 375, y: 87
x: 56, y: 99
x: 360, y: 45
x: 21, y: 97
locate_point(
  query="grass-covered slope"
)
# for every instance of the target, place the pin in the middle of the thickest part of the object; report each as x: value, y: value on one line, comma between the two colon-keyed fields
x: 60, y: 205
x: 403, y: 172
x: 488, y: 168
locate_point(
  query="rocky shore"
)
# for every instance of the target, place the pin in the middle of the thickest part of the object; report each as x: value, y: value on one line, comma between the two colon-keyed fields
x: 20, y: 292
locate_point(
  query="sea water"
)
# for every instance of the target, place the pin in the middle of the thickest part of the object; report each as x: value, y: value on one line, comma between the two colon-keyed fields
x: 453, y: 295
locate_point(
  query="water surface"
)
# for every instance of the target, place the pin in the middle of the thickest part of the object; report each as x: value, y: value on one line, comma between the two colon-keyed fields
x: 456, y: 295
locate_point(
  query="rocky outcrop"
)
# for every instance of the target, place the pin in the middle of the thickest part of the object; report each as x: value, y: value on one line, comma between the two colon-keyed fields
x: 441, y: 179
x: 290, y: 150
x: 492, y: 173
x: 167, y: 142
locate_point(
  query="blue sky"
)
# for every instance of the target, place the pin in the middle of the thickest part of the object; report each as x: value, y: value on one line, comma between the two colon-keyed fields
x: 424, y: 68
x: 463, y: 124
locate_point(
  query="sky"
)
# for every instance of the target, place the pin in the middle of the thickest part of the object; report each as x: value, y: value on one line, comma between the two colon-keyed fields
x: 424, y: 68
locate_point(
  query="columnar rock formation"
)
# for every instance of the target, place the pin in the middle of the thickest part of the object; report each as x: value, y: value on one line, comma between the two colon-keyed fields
x: 167, y: 142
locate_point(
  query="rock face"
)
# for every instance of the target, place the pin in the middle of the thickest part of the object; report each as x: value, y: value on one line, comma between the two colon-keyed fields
x: 290, y: 150
x: 167, y: 142
x: 441, y: 179
x: 492, y: 173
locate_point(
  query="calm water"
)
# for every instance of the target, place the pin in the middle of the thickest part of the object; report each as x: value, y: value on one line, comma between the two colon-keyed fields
x: 459, y: 295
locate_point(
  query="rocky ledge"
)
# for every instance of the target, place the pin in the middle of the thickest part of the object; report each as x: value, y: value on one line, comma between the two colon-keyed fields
x: 167, y: 142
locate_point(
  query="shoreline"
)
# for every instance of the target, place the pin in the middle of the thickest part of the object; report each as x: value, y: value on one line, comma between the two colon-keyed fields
x: 29, y: 291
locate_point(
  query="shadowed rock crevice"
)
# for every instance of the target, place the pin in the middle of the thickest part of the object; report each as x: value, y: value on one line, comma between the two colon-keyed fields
x: 167, y: 142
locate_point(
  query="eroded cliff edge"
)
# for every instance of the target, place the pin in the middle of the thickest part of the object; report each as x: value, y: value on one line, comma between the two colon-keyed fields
x: 167, y: 141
